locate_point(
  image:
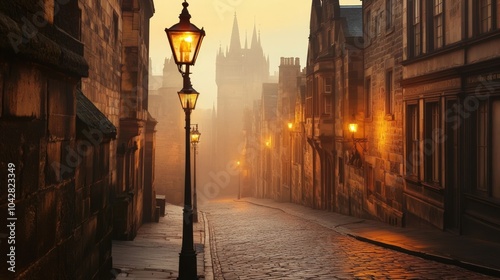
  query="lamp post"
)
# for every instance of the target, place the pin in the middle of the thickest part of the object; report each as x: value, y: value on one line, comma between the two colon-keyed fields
x: 185, y: 41
x: 290, y: 127
x: 239, y: 179
x: 195, y: 139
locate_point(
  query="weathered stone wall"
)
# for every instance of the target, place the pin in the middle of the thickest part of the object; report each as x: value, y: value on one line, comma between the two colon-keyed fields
x: 383, y: 52
x: 59, y: 233
x: 61, y: 191
x: 101, y: 34
x: 289, y: 70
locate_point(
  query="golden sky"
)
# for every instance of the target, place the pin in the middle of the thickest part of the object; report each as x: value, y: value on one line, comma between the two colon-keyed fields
x: 283, y: 26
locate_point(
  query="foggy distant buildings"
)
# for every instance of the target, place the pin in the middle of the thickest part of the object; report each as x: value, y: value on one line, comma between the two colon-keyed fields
x: 240, y: 72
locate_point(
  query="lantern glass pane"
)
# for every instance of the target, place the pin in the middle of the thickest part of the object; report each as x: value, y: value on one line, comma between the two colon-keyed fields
x: 353, y: 127
x: 184, y: 46
x: 188, y: 99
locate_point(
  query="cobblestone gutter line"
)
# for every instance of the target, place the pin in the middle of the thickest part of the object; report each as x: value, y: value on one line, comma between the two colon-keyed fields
x: 207, y: 254
x: 216, y: 267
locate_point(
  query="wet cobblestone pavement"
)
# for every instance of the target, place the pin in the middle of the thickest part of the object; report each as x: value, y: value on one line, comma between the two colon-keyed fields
x: 255, y: 242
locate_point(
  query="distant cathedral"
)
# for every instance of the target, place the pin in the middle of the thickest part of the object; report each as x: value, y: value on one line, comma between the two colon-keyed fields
x: 240, y: 72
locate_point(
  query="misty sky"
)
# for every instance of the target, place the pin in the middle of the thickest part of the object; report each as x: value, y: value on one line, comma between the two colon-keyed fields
x: 283, y: 26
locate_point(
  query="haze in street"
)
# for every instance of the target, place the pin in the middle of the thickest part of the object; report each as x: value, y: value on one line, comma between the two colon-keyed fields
x: 283, y: 27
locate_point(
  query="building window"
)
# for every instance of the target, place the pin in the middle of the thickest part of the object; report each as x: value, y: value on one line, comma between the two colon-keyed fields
x: 389, y: 93
x: 368, y: 97
x: 487, y: 148
x: 378, y: 18
x: 482, y: 146
x: 341, y: 171
x: 485, y: 16
x: 309, y: 101
x: 495, y: 143
x: 432, y: 149
x: 412, y: 145
x: 438, y: 24
x: 68, y: 18
x: 368, y: 25
x: 327, y: 101
x: 416, y: 27
x: 316, y: 97
x: 388, y: 14
x: 328, y: 85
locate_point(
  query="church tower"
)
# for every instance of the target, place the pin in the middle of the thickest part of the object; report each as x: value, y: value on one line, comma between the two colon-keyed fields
x: 240, y: 72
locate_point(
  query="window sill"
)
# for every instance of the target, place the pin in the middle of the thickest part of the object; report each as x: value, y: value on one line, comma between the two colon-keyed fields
x: 433, y: 186
x: 412, y: 178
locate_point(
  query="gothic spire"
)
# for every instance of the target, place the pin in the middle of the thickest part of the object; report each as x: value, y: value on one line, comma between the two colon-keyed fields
x: 235, y: 45
x: 246, y: 40
x: 255, y: 40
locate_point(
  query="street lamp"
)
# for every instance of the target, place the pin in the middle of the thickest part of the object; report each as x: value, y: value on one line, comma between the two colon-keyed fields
x: 239, y: 179
x: 353, y: 128
x: 195, y: 139
x: 185, y: 41
x: 355, y: 158
x: 290, y: 127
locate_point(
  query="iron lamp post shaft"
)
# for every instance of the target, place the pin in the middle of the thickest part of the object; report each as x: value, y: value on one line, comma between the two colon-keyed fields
x: 187, y: 256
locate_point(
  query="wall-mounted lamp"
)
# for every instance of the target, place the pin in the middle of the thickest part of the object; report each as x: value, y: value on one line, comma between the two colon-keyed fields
x: 355, y: 158
x: 353, y: 128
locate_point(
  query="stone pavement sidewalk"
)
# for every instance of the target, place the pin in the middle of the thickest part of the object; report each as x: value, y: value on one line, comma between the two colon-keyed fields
x: 466, y: 252
x: 154, y: 253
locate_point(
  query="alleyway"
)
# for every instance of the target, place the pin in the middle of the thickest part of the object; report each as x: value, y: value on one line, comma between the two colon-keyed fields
x: 255, y: 242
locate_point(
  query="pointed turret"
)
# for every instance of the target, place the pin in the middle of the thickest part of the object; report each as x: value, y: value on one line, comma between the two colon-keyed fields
x: 315, y: 16
x: 255, y: 40
x: 246, y: 40
x: 235, y: 46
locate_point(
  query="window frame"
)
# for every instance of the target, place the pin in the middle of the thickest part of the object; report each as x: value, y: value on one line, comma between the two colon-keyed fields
x: 489, y: 17
x: 487, y: 110
x: 368, y: 25
x: 412, y: 153
x: 368, y: 97
x: 478, y: 144
x: 432, y: 126
x: 389, y: 15
x: 415, y: 27
x: 438, y: 15
x: 389, y: 92
x: 477, y: 7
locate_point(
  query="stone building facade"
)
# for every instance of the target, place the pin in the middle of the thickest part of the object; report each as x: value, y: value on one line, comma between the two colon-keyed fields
x: 288, y: 88
x: 268, y: 186
x: 333, y: 94
x: 420, y: 80
x: 56, y: 145
x: 62, y: 82
x: 451, y: 90
x: 116, y: 38
x: 381, y: 182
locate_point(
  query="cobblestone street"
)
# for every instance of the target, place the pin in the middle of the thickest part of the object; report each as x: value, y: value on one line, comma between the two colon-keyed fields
x: 255, y: 242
